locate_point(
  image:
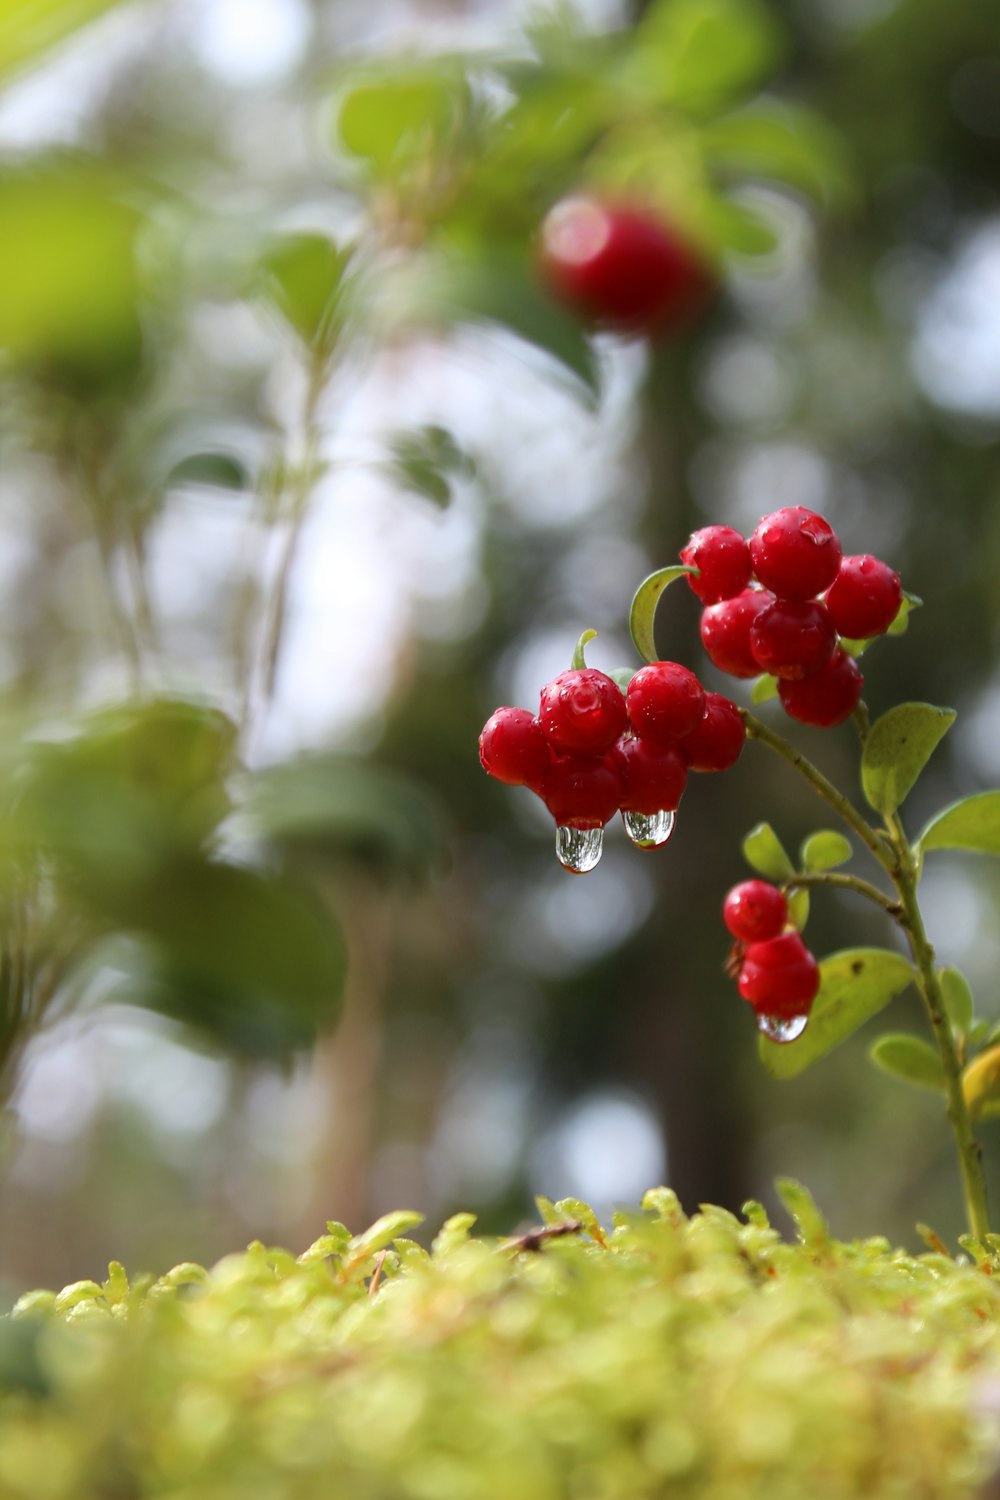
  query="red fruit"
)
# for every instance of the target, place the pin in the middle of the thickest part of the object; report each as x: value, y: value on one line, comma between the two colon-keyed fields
x: 779, y: 976
x: 792, y: 638
x: 582, y: 791
x: 755, y: 911
x: 795, y: 553
x: 621, y: 266
x: 653, y: 775
x: 716, y: 743
x: 725, y: 631
x: 665, y: 701
x: 864, y: 598
x: 829, y: 696
x: 513, y: 749
x: 723, y: 559
x: 582, y: 712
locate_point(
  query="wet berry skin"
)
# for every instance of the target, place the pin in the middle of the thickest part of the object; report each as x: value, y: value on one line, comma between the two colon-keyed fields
x: 654, y: 776
x: 754, y: 911
x: 792, y: 638
x: 725, y: 631
x: 582, y: 791
x: 826, y: 698
x: 717, y: 742
x: 864, y: 598
x: 665, y: 701
x: 513, y: 749
x: 582, y: 712
x: 722, y: 558
x: 621, y: 266
x: 795, y: 552
x: 779, y: 976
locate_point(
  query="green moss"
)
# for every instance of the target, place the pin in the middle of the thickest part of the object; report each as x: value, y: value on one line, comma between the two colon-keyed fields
x: 669, y: 1356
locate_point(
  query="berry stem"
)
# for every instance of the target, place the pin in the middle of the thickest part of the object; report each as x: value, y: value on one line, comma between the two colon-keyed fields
x: 848, y: 883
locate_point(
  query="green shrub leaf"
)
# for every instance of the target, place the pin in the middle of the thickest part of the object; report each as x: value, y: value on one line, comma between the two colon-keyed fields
x: 643, y: 610
x: 973, y: 823
x: 899, y: 746
x: 909, y: 1059
x: 855, y: 985
x: 764, y: 852
x: 825, y: 850
x: 981, y: 1085
x: 764, y: 689
x: 707, y: 52
x: 957, y: 996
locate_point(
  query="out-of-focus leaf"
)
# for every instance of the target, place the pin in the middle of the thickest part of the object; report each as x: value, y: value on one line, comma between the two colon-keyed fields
x: 400, y: 114
x: 778, y: 141
x: 764, y: 689
x: 213, y: 471
x: 854, y: 986
x: 972, y: 824
x: 909, y: 1059
x: 28, y: 27
x: 900, y: 744
x: 642, y: 612
x: 957, y: 995
x: 981, y: 1085
x: 304, y: 276
x: 427, y: 460
x: 702, y: 54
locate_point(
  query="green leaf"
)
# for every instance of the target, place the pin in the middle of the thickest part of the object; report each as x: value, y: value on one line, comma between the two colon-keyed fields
x: 622, y: 676
x: 910, y: 1059
x: 798, y: 908
x: 381, y: 1235
x: 28, y: 27
x: 579, y: 661
x: 643, y: 609
x: 706, y: 53
x: 972, y: 824
x: 902, y: 620
x: 208, y: 470
x: 304, y: 277
x: 802, y: 1209
x: 981, y: 1085
x: 958, y: 1002
x: 899, y: 746
x: 787, y: 144
x: 765, y: 853
x: 764, y: 689
x: 398, y: 116
x: 825, y: 850
x: 855, y: 985
x: 427, y: 461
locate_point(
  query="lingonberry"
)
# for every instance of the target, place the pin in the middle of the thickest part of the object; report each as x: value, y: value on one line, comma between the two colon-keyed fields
x: 621, y: 266
x: 725, y: 631
x: 865, y: 596
x: 779, y: 976
x: 792, y: 638
x: 513, y: 749
x: 755, y: 911
x: 582, y: 712
x: 722, y: 558
x: 826, y: 698
x: 653, y: 775
x: 716, y: 743
x: 665, y: 701
x: 795, y: 553
x: 582, y: 791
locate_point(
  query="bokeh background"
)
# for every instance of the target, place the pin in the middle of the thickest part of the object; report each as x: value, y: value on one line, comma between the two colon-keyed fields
x: 300, y: 476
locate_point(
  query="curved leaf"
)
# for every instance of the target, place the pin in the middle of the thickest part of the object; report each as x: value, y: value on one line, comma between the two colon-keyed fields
x: 973, y: 823
x: 579, y: 661
x: 764, y: 689
x: 855, y: 985
x: 909, y: 1059
x: 900, y: 744
x: 642, y: 613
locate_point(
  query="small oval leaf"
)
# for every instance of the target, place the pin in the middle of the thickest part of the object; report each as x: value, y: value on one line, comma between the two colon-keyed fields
x: 643, y: 610
x: 825, y: 850
x: 798, y: 908
x: 973, y: 823
x: 957, y: 996
x: 855, y: 985
x: 764, y: 852
x: 764, y: 689
x: 981, y: 1085
x: 900, y: 744
x: 909, y: 1059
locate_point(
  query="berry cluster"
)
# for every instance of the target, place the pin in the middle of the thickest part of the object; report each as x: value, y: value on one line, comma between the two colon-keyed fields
x: 785, y: 603
x: 776, y: 973
x: 593, y: 750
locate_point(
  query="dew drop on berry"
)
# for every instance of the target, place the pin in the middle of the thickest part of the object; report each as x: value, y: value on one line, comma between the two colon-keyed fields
x: 579, y: 849
x: 781, y: 1028
x: 648, y: 830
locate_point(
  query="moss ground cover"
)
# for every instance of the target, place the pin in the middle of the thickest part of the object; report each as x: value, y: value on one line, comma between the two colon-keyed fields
x: 665, y: 1355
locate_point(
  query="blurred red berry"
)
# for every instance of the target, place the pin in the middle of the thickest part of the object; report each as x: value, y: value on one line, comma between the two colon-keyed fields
x: 795, y: 553
x: 828, y: 697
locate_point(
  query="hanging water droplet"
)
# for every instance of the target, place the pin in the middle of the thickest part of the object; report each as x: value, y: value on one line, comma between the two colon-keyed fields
x: 649, y: 830
x: 579, y: 849
x: 781, y: 1028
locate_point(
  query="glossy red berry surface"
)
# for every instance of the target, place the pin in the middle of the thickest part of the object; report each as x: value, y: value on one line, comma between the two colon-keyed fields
x: 755, y: 911
x: 725, y: 631
x: 513, y: 749
x: 582, y: 791
x: 826, y: 698
x: 582, y: 712
x: 722, y: 558
x: 792, y: 638
x: 653, y: 775
x: 779, y: 976
x: 795, y: 552
x: 864, y: 598
x: 665, y: 701
x: 621, y: 266
x: 717, y: 741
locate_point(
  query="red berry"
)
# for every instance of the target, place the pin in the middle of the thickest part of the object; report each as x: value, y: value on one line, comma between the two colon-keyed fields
x: 779, y: 976
x: 864, y: 598
x: 792, y: 638
x: 582, y: 791
x: 653, y: 775
x: 725, y: 631
x: 621, y: 266
x: 723, y: 559
x: 755, y: 911
x: 795, y: 553
x: 716, y: 743
x: 829, y: 696
x: 665, y: 701
x: 582, y: 712
x: 513, y: 749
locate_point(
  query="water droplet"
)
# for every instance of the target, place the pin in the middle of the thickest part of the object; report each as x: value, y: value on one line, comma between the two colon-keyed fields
x: 649, y: 830
x: 782, y: 1028
x: 579, y: 849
